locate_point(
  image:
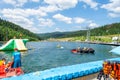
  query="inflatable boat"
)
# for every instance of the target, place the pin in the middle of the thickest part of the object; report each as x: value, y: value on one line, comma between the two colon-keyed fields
x: 4, y: 73
x: 83, y: 50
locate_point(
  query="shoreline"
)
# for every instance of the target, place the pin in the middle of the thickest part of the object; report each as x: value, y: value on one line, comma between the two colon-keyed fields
x: 102, y: 43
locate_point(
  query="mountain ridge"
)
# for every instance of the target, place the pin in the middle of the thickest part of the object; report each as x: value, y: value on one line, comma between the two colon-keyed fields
x: 108, y: 29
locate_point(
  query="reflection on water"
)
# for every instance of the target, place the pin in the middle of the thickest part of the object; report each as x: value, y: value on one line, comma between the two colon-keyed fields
x: 46, y: 55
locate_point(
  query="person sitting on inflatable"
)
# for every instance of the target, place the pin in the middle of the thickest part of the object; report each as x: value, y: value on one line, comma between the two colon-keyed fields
x: 78, y: 49
x: 2, y: 67
x: 8, y: 66
x: 2, y: 62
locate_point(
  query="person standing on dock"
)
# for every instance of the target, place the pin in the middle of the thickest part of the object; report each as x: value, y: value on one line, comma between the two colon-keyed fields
x: 16, y: 59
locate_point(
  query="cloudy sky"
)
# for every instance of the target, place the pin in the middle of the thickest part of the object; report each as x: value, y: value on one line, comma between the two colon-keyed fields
x: 42, y: 16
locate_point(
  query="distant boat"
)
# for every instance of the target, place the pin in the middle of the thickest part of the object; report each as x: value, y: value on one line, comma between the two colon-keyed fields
x: 83, y: 50
x: 59, y: 46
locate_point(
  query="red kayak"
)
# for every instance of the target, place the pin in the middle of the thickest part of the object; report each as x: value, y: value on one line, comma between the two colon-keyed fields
x: 10, y: 72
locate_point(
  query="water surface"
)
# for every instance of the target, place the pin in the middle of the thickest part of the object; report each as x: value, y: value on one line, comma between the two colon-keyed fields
x: 46, y: 55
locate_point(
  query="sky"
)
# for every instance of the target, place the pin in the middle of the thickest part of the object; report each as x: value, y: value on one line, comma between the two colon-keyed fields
x: 45, y: 16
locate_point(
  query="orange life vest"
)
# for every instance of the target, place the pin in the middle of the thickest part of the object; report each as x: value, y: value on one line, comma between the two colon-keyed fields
x: 106, y: 69
x: 118, y: 71
x: 2, y: 63
x: 112, y: 74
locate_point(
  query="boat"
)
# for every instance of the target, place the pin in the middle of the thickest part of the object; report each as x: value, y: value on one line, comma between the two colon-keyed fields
x: 59, y: 46
x: 74, y: 51
x: 83, y: 50
x: 4, y: 73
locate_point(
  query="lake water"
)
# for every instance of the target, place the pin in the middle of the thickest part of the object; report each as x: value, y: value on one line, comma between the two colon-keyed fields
x: 45, y: 55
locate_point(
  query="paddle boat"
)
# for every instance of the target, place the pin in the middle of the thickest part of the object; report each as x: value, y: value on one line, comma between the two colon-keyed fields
x: 83, y: 50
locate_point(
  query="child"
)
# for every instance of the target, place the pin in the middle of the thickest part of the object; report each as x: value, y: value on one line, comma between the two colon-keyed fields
x: 2, y: 62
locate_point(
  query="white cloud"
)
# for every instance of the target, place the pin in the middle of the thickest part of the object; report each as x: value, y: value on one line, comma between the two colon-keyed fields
x: 23, y: 12
x: 20, y: 20
x: 113, y: 7
x: 63, y: 18
x: 66, y: 4
x: 79, y: 20
x: 23, y: 22
x: 59, y: 29
x: 75, y: 20
x: 9, y: 2
x: 16, y: 2
x: 93, y: 25
x: 35, y: 0
x: 46, y: 22
x: 50, y: 8
x: 91, y: 3
x: 24, y: 17
x: 58, y: 5
x: 114, y: 15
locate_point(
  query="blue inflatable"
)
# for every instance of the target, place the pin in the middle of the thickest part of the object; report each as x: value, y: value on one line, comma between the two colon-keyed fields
x: 63, y: 73
x: 116, y: 50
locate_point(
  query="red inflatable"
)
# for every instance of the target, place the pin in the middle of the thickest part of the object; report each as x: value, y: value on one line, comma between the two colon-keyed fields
x: 10, y: 72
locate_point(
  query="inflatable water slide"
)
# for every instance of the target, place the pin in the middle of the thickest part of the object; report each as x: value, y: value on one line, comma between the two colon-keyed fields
x: 14, y: 43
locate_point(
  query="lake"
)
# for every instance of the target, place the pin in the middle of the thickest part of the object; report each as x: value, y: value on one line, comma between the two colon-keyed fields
x: 46, y: 55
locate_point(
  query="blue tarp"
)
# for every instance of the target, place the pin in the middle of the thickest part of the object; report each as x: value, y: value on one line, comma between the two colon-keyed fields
x: 116, y: 50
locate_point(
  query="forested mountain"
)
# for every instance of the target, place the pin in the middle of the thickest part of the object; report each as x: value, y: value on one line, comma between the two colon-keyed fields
x: 109, y: 29
x: 8, y: 30
x: 106, y: 30
x: 62, y: 34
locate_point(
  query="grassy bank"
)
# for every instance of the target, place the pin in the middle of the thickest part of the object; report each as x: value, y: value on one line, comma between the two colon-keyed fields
x: 102, y: 39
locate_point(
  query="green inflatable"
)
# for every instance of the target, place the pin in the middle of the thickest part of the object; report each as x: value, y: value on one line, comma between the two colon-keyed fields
x: 20, y: 44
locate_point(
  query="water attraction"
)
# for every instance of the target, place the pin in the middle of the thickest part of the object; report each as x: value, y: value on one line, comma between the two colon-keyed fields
x: 64, y: 73
x: 63, y: 59
x: 14, y: 43
x: 59, y: 39
x: 83, y: 50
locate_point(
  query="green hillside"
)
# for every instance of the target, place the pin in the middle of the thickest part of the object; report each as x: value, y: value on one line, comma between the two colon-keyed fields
x: 8, y: 30
x: 63, y: 34
x: 110, y: 29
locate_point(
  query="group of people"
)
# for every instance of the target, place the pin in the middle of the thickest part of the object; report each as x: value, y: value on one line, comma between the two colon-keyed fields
x: 13, y: 65
x: 111, y: 69
x: 85, y: 50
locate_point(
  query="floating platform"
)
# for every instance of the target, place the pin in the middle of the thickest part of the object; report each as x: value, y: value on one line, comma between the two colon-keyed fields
x: 63, y: 73
x: 14, y: 43
x: 116, y: 50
